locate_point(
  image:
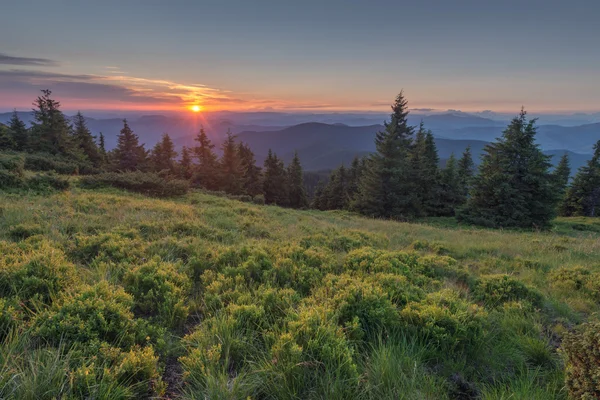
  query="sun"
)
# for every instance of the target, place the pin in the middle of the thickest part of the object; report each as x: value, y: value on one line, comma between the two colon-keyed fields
x: 196, y: 108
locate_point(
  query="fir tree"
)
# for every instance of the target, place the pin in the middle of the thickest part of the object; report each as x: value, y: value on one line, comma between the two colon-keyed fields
x: 296, y: 190
x: 354, y: 175
x: 318, y: 201
x: 514, y: 187
x: 231, y: 173
x: 19, y: 132
x: 425, y: 174
x: 50, y: 131
x: 86, y: 141
x: 102, y: 149
x: 385, y: 188
x: 162, y: 157
x: 129, y: 155
x: 561, y: 175
x: 251, y: 178
x: 185, y: 166
x: 450, y: 188
x: 275, y: 181
x: 583, y: 196
x: 207, y: 168
x: 466, y: 169
x: 6, y: 138
x: 336, y: 191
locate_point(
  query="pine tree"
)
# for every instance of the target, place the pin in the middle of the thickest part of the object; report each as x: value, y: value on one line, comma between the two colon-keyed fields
x: 231, y: 172
x: 275, y: 181
x: 385, y: 188
x: 514, y: 187
x: 86, y: 141
x: 252, y: 184
x: 561, y: 175
x: 583, y: 196
x: 425, y: 174
x: 207, y: 167
x: 19, y: 132
x: 6, y: 138
x: 450, y: 188
x: 466, y: 170
x: 162, y: 156
x: 296, y: 190
x: 50, y: 131
x: 186, y: 167
x: 318, y: 201
x: 336, y: 191
x: 102, y: 149
x: 354, y: 175
x: 129, y: 155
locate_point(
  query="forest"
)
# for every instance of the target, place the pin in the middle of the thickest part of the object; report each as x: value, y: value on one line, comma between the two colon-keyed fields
x: 196, y: 274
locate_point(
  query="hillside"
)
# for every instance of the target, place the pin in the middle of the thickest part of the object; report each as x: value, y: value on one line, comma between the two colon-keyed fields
x: 115, y: 295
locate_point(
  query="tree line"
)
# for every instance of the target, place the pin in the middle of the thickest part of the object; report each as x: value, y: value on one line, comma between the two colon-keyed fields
x: 234, y: 172
x: 514, y: 185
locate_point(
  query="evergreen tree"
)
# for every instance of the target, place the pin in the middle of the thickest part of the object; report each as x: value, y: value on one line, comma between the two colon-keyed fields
x: 50, y: 131
x: 450, y: 188
x: 86, y: 141
x: 466, y: 169
x: 275, y: 181
x: 318, y: 201
x: 336, y: 191
x: 207, y: 167
x: 162, y: 157
x: 6, y: 138
x: 186, y: 166
x: 425, y: 174
x: 296, y: 190
x: 102, y: 149
x: 385, y: 188
x: 514, y: 187
x: 231, y: 172
x: 354, y: 175
x: 19, y: 132
x: 129, y: 155
x: 583, y: 196
x: 252, y: 184
x: 561, y: 175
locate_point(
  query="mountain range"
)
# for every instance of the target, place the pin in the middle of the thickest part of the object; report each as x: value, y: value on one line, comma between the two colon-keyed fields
x: 325, y: 141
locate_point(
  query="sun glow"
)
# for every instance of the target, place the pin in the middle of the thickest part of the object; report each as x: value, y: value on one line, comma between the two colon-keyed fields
x: 196, y: 108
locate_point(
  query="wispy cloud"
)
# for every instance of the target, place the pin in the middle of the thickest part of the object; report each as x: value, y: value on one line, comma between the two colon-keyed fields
x: 26, y: 61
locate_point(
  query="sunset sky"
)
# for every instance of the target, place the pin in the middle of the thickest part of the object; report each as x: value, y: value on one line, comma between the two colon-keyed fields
x: 302, y: 55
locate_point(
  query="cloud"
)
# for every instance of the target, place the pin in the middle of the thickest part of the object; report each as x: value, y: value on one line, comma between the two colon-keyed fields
x: 26, y: 61
x: 423, y: 109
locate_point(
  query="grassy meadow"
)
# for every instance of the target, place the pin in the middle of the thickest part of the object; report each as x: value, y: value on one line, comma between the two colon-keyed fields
x: 106, y: 294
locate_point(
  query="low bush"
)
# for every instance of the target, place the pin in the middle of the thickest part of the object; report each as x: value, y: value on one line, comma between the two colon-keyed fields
x: 146, y: 183
x: 495, y: 290
x: 582, y: 358
x: 12, y: 162
x: 159, y: 289
x: 259, y: 199
x: 47, y: 181
x: 60, y: 165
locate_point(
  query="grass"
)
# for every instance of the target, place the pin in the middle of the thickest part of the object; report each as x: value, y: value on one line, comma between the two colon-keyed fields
x: 264, y: 302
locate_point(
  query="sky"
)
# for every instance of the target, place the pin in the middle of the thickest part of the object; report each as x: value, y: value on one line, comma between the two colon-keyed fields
x: 283, y: 55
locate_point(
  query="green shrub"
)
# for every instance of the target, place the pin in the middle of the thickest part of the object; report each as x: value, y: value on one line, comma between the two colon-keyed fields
x: 10, y: 317
x: 446, y: 320
x: 259, y: 199
x: 11, y: 180
x: 23, y: 231
x: 60, y: 165
x: 40, y: 275
x: 12, y: 162
x: 47, y: 181
x: 582, y: 358
x: 495, y: 290
x: 99, y: 313
x: 159, y: 289
x: 146, y: 183
x: 570, y: 278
